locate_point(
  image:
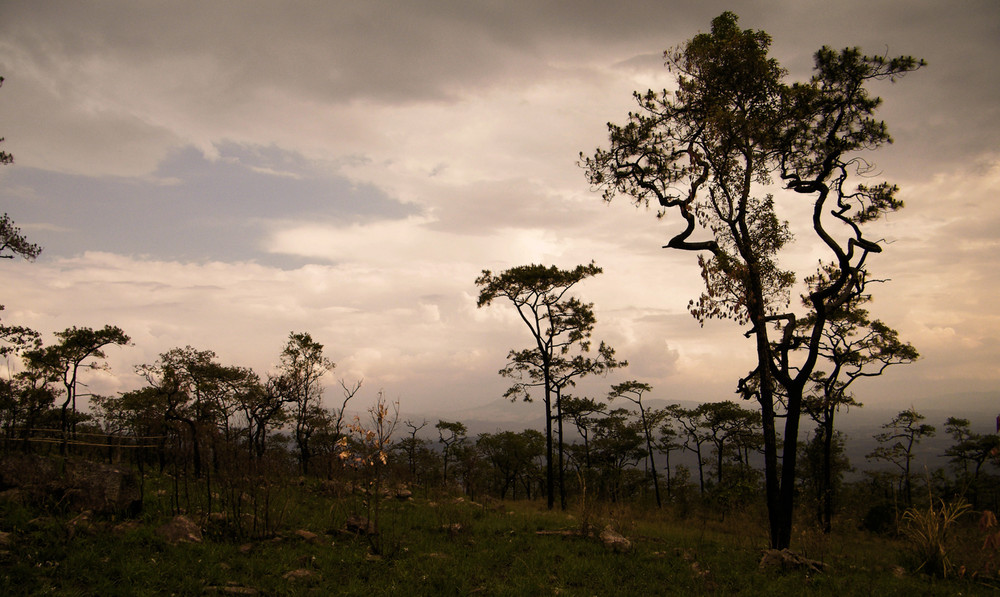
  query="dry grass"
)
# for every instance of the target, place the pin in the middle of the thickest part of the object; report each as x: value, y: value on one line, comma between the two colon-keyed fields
x: 927, y: 530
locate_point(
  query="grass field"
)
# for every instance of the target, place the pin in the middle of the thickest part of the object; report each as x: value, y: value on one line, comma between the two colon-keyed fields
x: 446, y: 545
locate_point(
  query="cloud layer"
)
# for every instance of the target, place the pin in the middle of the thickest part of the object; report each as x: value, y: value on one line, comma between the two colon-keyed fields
x: 206, y: 174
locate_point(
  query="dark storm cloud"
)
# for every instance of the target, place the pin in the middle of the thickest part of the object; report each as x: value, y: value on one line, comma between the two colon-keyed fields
x: 387, y: 51
x: 219, y: 57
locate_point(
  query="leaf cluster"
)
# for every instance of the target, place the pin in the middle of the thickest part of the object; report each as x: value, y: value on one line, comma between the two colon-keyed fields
x: 13, y: 242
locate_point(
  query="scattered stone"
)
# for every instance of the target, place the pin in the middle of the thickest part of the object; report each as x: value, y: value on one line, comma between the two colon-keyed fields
x: 246, y: 548
x: 404, y: 495
x: 452, y: 529
x: 614, y: 540
x: 560, y: 533
x: 300, y: 574
x: 180, y: 530
x: 309, y: 536
x: 125, y: 527
x: 698, y: 571
x: 360, y: 525
x: 784, y: 559
x: 232, y: 589
x: 79, y: 523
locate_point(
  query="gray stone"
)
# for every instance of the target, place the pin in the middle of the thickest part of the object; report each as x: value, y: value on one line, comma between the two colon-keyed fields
x: 180, y: 530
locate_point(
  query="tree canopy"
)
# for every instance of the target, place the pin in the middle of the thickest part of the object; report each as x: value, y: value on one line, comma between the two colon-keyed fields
x: 557, y: 323
x: 713, y: 154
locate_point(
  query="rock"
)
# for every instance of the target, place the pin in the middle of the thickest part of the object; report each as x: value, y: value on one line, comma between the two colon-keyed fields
x: 26, y: 470
x: 103, y: 488
x: 232, y: 589
x: 81, y: 484
x: 404, y: 495
x: 300, y: 574
x: 784, y: 559
x: 180, y: 530
x: 309, y: 536
x: 126, y: 527
x: 614, y: 540
x: 360, y: 525
x: 79, y: 523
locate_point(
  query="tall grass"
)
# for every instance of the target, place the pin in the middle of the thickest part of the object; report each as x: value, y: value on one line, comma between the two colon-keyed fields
x: 440, y: 545
x: 928, y: 530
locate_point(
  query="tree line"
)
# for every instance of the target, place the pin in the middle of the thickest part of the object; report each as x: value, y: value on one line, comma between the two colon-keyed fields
x: 196, y: 418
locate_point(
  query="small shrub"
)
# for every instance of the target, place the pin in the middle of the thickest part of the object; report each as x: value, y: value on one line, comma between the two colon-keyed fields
x: 880, y: 519
x: 927, y: 531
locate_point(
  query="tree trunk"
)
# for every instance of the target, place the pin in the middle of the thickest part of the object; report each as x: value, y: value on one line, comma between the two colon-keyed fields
x: 652, y: 463
x: 786, y: 502
x: 827, y: 483
x: 562, y: 465
x: 549, y: 476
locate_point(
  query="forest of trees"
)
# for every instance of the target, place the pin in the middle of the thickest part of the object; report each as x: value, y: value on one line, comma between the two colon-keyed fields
x: 228, y: 436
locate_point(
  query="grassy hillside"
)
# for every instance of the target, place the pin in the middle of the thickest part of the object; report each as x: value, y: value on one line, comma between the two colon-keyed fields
x: 437, y: 544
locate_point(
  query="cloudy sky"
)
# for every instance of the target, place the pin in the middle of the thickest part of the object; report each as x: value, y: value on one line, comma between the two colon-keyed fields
x: 219, y: 174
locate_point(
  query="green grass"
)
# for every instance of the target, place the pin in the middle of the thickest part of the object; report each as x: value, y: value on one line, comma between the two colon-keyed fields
x: 497, y: 549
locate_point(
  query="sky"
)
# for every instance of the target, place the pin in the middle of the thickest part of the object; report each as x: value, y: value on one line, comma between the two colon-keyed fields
x: 220, y: 174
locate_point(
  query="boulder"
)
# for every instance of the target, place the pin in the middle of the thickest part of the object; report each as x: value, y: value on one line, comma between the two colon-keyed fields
x: 614, y: 540
x: 82, y: 484
x: 309, y: 536
x: 784, y: 559
x: 232, y: 589
x: 102, y: 488
x: 300, y: 574
x: 80, y: 523
x: 360, y: 525
x: 180, y: 530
